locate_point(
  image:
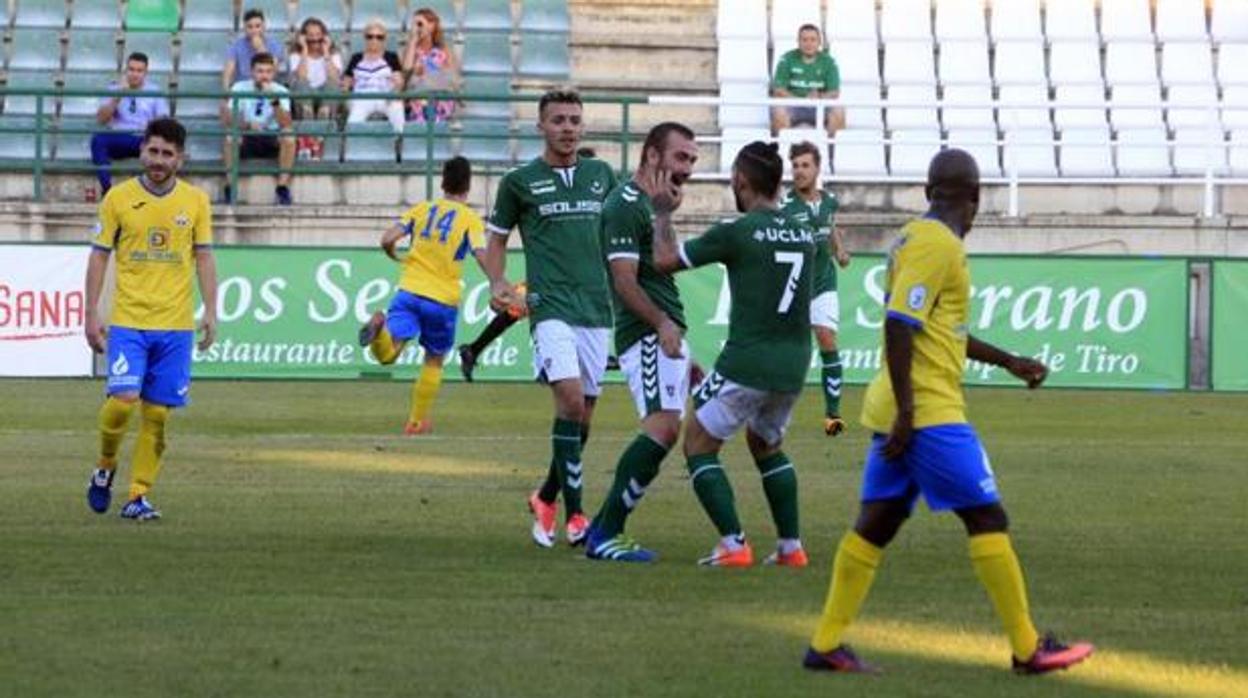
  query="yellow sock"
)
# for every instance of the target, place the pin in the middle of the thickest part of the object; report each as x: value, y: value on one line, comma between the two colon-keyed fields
x: 424, y: 391
x: 852, y: 574
x: 384, y: 347
x: 998, y: 570
x: 148, y: 449
x: 114, y: 416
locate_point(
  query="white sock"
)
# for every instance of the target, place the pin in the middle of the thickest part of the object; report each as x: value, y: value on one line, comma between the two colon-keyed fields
x: 733, y: 542
x: 788, y: 546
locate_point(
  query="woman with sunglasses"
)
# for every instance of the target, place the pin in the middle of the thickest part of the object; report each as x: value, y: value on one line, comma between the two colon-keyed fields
x: 374, y: 71
x: 430, y: 65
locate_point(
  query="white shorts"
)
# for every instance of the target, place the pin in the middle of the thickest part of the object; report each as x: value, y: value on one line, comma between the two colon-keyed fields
x: 562, y: 351
x: 658, y: 382
x: 825, y: 310
x: 723, y: 407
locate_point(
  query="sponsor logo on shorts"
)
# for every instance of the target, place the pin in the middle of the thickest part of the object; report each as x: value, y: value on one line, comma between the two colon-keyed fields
x: 121, y: 366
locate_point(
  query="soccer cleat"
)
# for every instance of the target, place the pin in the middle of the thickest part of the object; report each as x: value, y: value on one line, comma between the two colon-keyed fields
x: 371, y: 328
x: 833, y: 425
x: 467, y: 361
x: 839, y: 659
x: 424, y: 426
x: 620, y: 548
x: 797, y: 558
x: 100, y: 490
x: 723, y: 557
x: 139, y: 509
x: 1051, y: 655
x: 576, y: 529
x: 543, y: 520
x: 282, y: 195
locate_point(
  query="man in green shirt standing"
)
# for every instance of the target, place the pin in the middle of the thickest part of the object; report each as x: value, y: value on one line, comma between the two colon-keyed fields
x: 759, y: 374
x: 807, y: 71
x: 556, y: 201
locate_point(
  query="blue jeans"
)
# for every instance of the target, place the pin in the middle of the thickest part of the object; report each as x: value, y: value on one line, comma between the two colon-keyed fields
x: 106, y: 147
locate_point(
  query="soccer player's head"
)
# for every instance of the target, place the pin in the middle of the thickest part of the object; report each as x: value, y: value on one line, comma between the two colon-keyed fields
x: 164, y: 143
x: 953, y: 188
x: 456, y: 176
x: 805, y: 159
x: 136, y: 69
x: 670, y: 146
x: 263, y: 68
x: 756, y: 175
x: 559, y: 118
x: 809, y: 40
x: 253, y: 22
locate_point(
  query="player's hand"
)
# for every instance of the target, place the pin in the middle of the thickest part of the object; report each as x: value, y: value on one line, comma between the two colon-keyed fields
x: 502, y: 295
x: 97, y: 334
x: 696, y: 374
x: 842, y: 252
x: 670, y: 338
x: 664, y: 193
x: 1029, y: 371
x: 899, y: 438
x: 207, y: 332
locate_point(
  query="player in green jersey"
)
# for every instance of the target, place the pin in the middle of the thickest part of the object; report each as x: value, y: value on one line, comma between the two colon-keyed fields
x: 649, y: 337
x: 811, y: 205
x: 759, y: 374
x: 556, y: 200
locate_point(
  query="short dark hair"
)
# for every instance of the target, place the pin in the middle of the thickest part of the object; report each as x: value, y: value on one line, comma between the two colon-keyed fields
x: 657, y: 138
x: 586, y: 151
x: 953, y: 176
x: 253, y: 13
x: 761, y: 166
x: 137, y: 56
x: 167, y: 128
x: 808, y: 28
x: 805, y: 148
x: 557, y: 97
x: 457, y: 176
x: 262, y: 58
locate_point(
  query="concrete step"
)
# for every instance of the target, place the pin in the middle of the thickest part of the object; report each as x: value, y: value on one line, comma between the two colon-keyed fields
x: 691, y: 19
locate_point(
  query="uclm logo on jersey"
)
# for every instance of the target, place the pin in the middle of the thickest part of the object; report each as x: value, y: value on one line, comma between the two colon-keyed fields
x: 39, y: 313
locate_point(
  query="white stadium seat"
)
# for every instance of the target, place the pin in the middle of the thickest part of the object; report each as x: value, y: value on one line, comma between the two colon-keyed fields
x: 1232, y: 59
x: 1239, y: 153
x: 912, y: 151
x: 1074, y: 63
x: 1085, y: 152
x: 964, y: 62
x: 867, y: 116
x: 742, y: 115
x: 1065, y: 116
x: 1020, y: 117
x: 1193, y: 153
x: 1130, y: 63
x: 1181, y: 20
x: 974, y: 117
x: 743, y: 60
x: 960, y: 19
x: 787, y: 16
x: 734, y: 139
x: 1030, y: 153
x: 909, y: 63
x: 1069, y: 20
x: 851, y: 19
x: 858, y: 152
x: 788, y: 136
x: 1125, y: 20
x: 1135, y: 118
x: 1235, y: 109
x: 1019, y: 63
x: 1143, y: 153
x: 858, y: 61
x: 981, y: 144
x: 741, y: 19
x: 1229, y: 21
x: 1015, y: 20
x: 912, y: 117
x: 906, y: 19
x: 1186, y: 63
x: 1188, y: 105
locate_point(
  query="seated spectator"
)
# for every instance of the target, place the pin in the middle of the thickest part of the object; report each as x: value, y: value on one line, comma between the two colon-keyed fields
x: 429, y: 65
x: 126, y: 116
x: 253, y: 41
x: 262, y: 119
x: 807, y: 71
x: 372, y: 71
x: 315, y: 67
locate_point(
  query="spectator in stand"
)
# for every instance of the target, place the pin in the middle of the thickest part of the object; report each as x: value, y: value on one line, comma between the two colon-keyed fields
x: 253, y: 41
x: 265, y: 122
x: 807, y: 71
x: 430, y: 65
x: 374, y: 71
x: 315, y: 67
x: 126, y: 116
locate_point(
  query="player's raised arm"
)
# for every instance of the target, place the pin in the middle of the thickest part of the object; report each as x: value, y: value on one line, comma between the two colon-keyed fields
x: 665, y: 196
x: 1030, y: 371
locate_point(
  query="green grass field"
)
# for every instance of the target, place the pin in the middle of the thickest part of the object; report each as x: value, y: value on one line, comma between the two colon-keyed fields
x: 309, y: 551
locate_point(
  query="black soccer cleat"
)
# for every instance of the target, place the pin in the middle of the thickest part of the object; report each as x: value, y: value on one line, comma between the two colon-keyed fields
x: 467, y: 361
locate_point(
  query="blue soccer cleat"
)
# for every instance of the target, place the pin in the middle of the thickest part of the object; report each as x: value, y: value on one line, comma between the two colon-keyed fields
x: 139, y: 509
x: 100, y: 490
x: 620, y: 548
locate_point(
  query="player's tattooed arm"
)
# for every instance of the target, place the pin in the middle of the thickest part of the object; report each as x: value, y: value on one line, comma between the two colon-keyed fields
x: 1026, y: 369
x: 899, y: 353
x: 665, y: 196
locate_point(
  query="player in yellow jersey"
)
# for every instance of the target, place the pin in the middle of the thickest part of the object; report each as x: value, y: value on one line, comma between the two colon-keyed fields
x: 922, y: 441
x: 160, y: 228
x: 442, y: 232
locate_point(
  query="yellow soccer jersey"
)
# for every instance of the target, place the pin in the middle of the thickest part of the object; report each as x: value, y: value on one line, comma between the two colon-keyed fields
x: 155, y: 238
x: 929, y: 287
x: 442, y: 233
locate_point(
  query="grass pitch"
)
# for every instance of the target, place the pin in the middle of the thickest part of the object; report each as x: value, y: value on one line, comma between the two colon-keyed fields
x: 307, y: 550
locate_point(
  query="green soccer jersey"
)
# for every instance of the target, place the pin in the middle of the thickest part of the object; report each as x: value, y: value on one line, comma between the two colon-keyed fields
x: 557, y: 210
x: 799, y: 78
x: 820, y: 217
x: 628, y: 229
x: 769, y: 257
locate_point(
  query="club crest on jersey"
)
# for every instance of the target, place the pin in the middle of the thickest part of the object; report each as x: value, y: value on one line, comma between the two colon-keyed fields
x: 182, y: 220
x: 597, y: 188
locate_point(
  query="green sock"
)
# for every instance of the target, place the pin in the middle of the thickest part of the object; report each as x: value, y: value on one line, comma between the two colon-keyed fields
x: 780, y: 485
x: 638, y: 466
x: 710, y: 483
x: 565, y: 439
x: 549, y: 491
x: 831, y: 382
